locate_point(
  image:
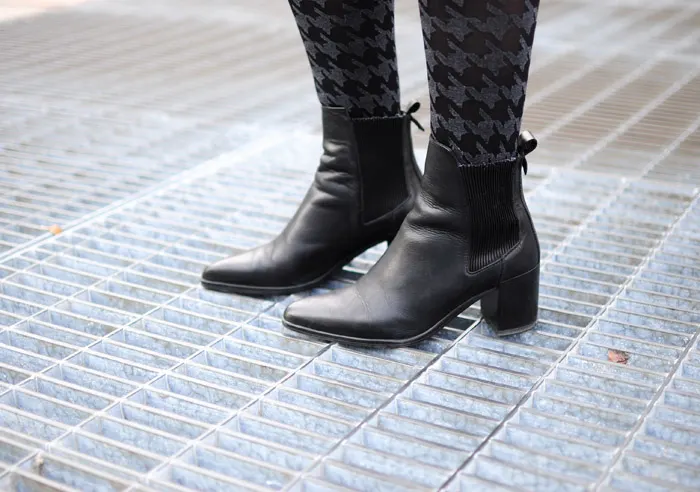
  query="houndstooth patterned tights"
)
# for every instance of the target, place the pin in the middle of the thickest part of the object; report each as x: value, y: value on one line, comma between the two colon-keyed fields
x: 477, y: 53
x: 351, y: 48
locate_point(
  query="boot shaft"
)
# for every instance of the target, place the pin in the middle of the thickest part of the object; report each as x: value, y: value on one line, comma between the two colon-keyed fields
x: 485, y: 206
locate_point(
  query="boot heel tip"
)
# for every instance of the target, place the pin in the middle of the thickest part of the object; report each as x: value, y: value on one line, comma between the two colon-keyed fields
x: 513, y: 306
x: 510, y: 331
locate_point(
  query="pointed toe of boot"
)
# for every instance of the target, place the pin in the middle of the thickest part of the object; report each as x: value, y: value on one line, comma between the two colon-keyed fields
x: 321, y: 316
x: 304, y: 316
x: 259, y: 272
x: 341, y: 316
x: 236, y: 274
x: 216, y: 273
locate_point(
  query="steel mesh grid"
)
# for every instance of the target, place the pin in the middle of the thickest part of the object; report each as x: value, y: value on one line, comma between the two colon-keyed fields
x: 135, y: 364
x: 60, y: 164
x: 144, y: 123
x: 117, y: 297
x: 138, y: 308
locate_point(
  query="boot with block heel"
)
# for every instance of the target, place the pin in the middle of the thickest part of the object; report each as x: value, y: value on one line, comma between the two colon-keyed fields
x: 469, y: 237
x: 366, y: 183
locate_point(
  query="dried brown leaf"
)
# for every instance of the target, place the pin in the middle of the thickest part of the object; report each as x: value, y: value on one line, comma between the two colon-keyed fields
x: 618, y: 356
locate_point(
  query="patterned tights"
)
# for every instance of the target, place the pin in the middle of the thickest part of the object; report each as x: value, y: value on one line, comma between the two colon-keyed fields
x: 478, y: 57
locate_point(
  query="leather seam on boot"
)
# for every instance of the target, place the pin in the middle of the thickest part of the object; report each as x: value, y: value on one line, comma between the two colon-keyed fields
x: 514, y: 277
x: 388, y: 214
x: 354, y: 155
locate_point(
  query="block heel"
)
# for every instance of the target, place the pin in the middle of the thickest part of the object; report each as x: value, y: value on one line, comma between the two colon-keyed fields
x: 512, y: 308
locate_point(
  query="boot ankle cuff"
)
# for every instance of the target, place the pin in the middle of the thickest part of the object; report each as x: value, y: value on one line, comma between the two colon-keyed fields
x: 483, y: 160
x: 397, y: 116
x: 486, y: 160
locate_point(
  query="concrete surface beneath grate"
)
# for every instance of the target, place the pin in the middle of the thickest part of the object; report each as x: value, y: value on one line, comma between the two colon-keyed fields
x: 162, y: 136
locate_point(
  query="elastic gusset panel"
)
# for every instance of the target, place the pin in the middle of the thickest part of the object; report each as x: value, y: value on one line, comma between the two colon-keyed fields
x: 380, y: 143
x: 493, y: 223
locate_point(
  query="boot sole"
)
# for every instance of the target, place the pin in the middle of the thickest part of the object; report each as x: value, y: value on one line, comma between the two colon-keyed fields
x: 388, y: 343
x: 284, y: 290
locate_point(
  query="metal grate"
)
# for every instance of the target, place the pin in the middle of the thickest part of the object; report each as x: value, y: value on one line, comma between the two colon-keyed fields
x: 118, y: 372
x: 112, y: 353
x: 44, y: 184
x: 117, y: 298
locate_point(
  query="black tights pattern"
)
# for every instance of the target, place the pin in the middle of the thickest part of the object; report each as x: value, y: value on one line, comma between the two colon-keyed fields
x: 477, y: 53
x: 352, y: 52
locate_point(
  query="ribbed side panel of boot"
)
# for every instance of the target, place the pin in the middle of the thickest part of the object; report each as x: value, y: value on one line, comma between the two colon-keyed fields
x: 494, y: 227
x: 380, y: 154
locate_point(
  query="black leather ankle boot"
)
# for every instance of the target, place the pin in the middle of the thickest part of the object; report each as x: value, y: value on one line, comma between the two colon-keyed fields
x: 469, y: 237
x: 365, y: 185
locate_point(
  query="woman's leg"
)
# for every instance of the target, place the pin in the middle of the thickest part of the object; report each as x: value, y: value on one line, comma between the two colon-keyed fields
x: 478, y: 57
x: 469, y: 236
x: 351, y: 49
